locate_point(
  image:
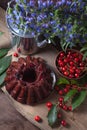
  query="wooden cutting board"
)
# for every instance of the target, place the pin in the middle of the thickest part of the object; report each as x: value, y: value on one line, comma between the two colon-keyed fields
x: 77, y: 120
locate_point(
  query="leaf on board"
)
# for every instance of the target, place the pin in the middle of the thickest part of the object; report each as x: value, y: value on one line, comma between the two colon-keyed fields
x: 3, y: 52
x: 70, y: 94
x: 2, y: 77
x: 78, y: 99
x: 52, y: 115
x: 62, y: 81
x: 4, y: 63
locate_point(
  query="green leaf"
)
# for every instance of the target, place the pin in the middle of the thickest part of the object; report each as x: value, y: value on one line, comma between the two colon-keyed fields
x: 2, y: 78
x: 4, y: 63
x: 70, y: 94
x: 52, y: 115
x: 74, y: 82
x: 78, y: 99
x: 3, y: 52
x: 62, y: 81
x: 85, y: 56
x: 83, y: 49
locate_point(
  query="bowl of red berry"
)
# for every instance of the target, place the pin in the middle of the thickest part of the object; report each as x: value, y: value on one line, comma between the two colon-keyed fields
x: 70, y: 64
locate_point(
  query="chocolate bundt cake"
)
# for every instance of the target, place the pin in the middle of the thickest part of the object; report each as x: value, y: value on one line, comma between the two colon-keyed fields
x: 28, y: 80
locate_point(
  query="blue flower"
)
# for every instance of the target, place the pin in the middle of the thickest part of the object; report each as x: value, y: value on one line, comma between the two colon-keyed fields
x: 32, y: 3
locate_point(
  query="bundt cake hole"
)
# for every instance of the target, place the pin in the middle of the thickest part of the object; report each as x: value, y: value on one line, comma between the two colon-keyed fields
x: 29, y: 75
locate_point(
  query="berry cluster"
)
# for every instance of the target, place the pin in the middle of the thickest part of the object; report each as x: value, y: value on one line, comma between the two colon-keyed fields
x: 71, y: 64
x: 59, y: 115
x: 62, y: 92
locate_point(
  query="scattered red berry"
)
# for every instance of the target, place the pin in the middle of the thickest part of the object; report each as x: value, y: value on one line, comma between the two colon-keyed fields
x: 70, y: 108
x: 37, y: 118
x: 60, y: 105
x: 49, y: 104
x: 63, y: 123
x: 64, y: 107
x: 19, y: 50
x: 66, y: 90
x: 61, y: 99
x: 60, y: 92
x: 15, y: 54
x: 79, y: 89
x: 74, y: 86
x: 68, y: 86
x: 57, y: 88
x: 59, y: 115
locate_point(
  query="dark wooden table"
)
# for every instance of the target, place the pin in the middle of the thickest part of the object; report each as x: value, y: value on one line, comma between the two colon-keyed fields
x: 10, y: 119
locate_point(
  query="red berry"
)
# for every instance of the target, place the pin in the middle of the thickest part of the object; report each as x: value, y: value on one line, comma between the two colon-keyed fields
x: 71, y: 75
x: 19, y: 50
x: 76, y: 59
x: 76, y: 75
x: 61, y: 64
x: 79, y: 89
x: 78, y: 71
x: 63, y: 68
x: 71, y: 71
x: 74, y: 86
x: 71, y: 63
x: 75, y: 54
x: 60, y: 92
x: 15, y: 54
x: 68, y: 86
x: 68, y: 56
x: 66, y: 90
x: 73, y: 67
x: 63, y: 123
x: 57, y: 88
x: 49, y: 104
x: 61, y: 99
x: 81, y: 64
x: 64, y: 107
x: 80, y: 57
x: 60, y: 105
x: 70, y: 108
x: 49, y: 108
x: 37, y: 118
x: 66, y: 73
x: 65, y: 60
x: 59, y: 60
x: 62, y: 54
x: 59, y: 115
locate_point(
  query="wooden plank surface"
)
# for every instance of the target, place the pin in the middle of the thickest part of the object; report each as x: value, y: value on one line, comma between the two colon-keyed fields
x: 49, y: 54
